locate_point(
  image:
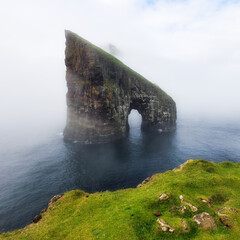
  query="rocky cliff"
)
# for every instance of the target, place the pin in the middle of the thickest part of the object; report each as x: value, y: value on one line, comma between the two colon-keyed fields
x: 101, y: 93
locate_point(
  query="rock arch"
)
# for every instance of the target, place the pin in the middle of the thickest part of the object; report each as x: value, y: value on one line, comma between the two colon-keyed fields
x: 101, y: 93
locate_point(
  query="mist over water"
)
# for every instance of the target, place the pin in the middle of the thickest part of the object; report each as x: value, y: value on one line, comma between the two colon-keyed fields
x: 31, y: 173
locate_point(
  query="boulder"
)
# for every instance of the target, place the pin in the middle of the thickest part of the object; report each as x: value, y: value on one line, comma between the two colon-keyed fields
x: 205, y: 220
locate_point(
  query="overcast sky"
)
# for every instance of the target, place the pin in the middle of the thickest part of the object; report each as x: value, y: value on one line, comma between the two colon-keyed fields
x: 190, y: 48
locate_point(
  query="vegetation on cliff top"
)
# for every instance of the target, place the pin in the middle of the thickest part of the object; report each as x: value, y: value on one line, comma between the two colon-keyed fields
x: 128, y: 213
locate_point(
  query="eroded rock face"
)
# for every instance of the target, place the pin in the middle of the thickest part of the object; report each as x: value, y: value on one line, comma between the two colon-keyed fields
x: 101, y: 93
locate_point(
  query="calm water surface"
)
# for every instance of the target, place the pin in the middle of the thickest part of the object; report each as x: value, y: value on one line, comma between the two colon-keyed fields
x: 30, y: 174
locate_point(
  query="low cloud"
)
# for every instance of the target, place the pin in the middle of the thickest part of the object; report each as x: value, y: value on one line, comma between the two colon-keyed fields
x: 190, y: 48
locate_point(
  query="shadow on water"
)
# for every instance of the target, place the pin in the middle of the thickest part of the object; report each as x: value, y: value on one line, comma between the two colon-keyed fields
x: 121, y: 164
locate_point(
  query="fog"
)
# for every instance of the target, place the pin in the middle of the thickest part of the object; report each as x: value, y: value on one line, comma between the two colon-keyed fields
x: 190, y: 48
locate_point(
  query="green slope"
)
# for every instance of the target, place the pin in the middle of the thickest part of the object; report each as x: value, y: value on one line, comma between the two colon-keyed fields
x: 128, y: 214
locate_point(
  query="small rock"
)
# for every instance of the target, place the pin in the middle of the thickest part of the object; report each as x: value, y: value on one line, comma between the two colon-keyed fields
x: 51, y: 201
x: 184, y: 225
x: 205, y: 201
x: 157, y: 213
x: 43, y: 211
x: 164, y: 226
x: 37, y: 218
x: 144, y: 182
x: 181, y: 209
x: 205, y: 220
x: 54, y: 199
x: 193, y: 208
x: 163, y: 197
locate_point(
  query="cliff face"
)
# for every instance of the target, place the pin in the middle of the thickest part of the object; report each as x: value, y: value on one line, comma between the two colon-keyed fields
x: 101, y: 93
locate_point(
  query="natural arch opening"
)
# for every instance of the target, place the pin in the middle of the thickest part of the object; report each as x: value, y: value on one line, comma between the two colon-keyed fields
x: 134, y: 119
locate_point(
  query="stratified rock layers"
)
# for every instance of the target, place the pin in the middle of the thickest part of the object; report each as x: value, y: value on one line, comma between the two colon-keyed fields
x: 101, y: 93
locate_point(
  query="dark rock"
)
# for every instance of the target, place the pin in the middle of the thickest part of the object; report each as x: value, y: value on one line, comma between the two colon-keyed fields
x: 101, y: 93
x: 54, y: 199
x: 50, y: 203
x: 144, y: 182
x: 205, y: 220
x: 43, y: 211
x: 37, y: 218
x: 157, y: 213
x: 227, y: 221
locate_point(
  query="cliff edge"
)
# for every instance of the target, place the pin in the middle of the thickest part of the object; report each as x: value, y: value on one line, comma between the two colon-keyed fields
x: 199, y: 200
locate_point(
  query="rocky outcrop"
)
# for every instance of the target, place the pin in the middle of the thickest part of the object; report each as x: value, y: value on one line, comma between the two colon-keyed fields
x: 54, y: 199
x: 101, y: 93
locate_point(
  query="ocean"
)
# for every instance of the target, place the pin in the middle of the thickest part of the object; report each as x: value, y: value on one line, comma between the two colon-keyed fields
x: 34, y: 170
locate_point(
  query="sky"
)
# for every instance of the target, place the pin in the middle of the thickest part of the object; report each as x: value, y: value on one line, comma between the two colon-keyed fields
x: 190, y: 48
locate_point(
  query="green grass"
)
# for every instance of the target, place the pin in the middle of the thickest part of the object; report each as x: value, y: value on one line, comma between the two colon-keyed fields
x: 128, y: 214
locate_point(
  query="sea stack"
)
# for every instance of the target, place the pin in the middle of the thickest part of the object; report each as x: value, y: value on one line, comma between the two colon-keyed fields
x: 102, y: 91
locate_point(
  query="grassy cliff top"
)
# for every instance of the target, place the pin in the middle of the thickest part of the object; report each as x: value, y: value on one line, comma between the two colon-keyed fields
x: 128, y: 214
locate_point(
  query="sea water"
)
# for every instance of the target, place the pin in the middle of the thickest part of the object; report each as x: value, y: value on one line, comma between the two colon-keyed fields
x: 33, y: 170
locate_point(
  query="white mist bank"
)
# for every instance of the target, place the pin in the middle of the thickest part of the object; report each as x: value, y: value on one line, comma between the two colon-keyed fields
x: 189, y: 48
